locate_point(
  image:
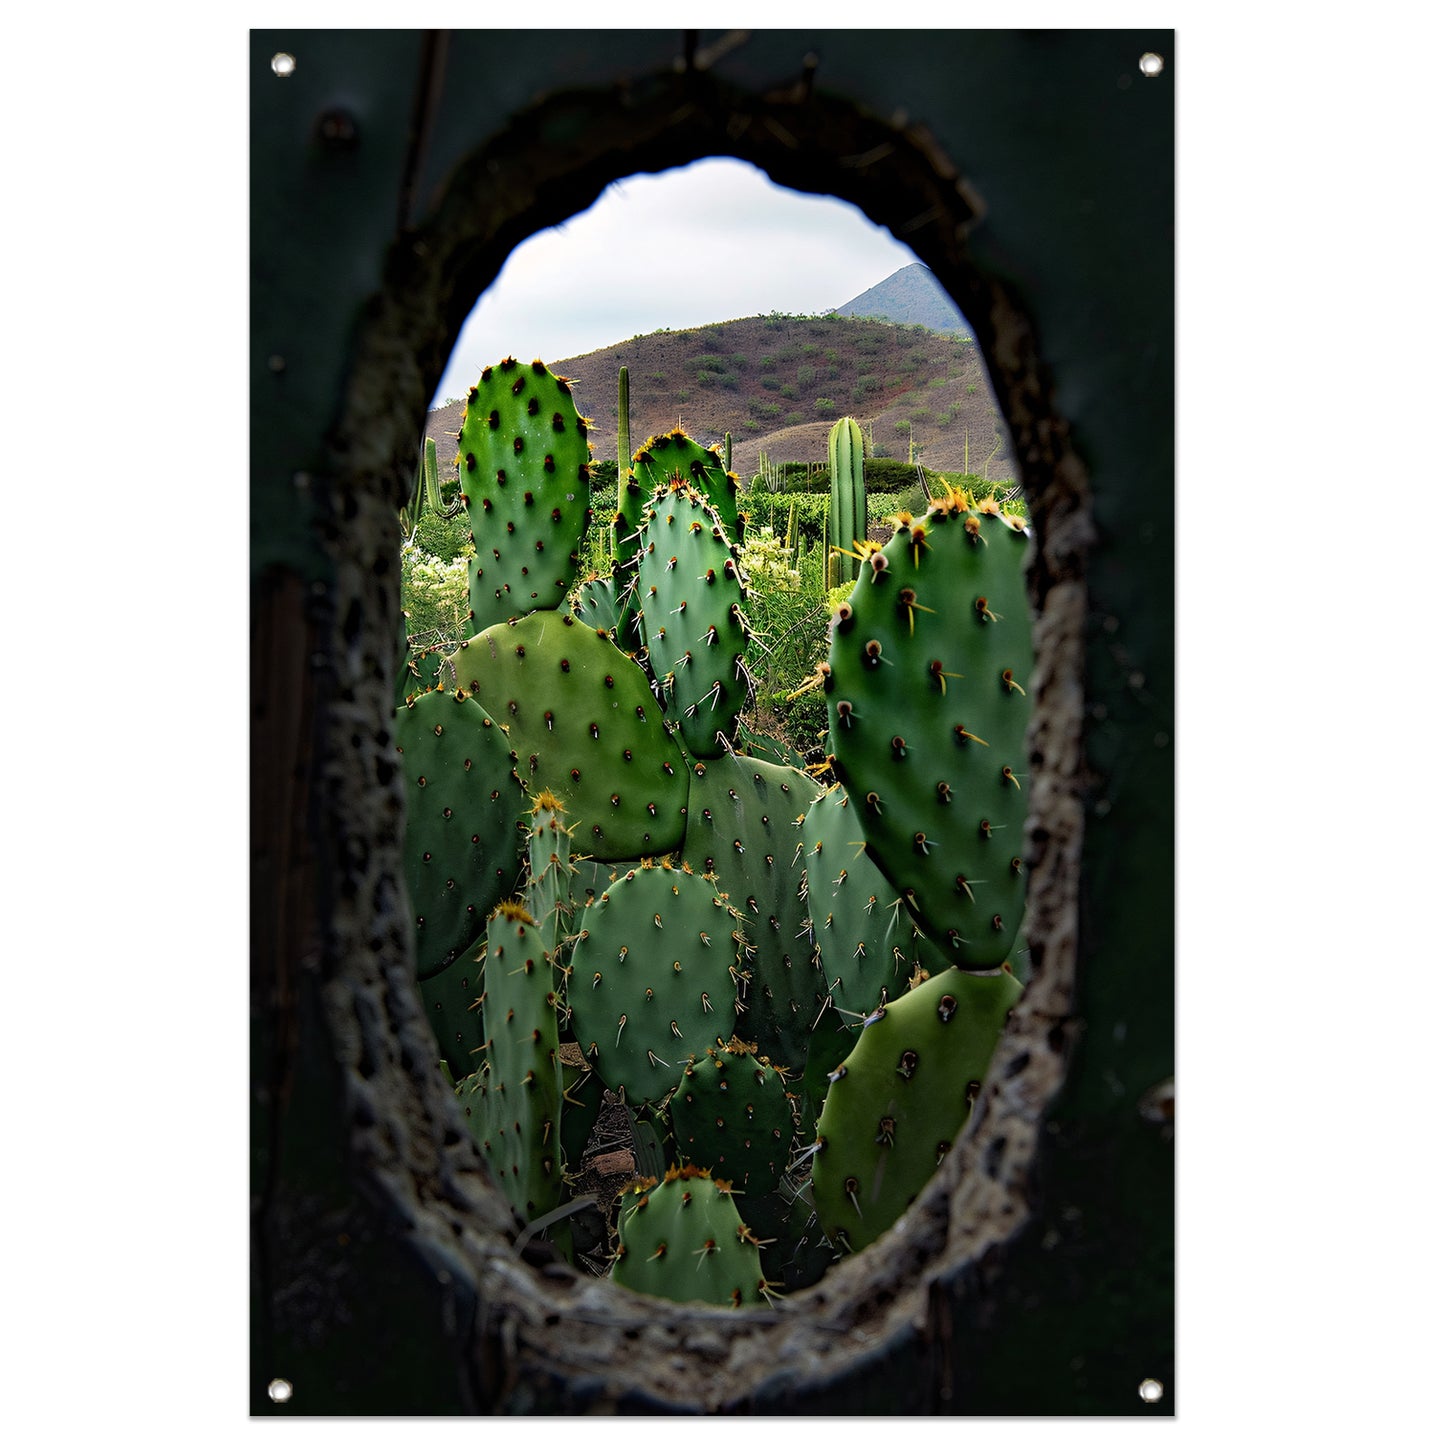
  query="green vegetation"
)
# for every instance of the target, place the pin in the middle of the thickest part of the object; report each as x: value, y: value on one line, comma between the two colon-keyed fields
x: 674, y: 827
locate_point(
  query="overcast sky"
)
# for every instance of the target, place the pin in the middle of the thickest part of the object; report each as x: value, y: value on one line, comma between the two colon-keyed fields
x: 714, y: 241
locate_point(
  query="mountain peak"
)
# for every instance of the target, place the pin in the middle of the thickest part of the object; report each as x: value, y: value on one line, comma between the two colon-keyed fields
x: 910, y: 296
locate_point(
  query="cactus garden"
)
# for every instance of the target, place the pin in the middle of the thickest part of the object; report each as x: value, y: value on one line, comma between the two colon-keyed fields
x: 715, y: 839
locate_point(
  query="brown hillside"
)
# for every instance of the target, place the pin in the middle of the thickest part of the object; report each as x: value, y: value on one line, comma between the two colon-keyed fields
x: 761, y: 377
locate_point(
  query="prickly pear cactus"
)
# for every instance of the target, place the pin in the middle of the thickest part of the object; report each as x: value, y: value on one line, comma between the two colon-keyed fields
x: 461, y: 849
x: 742, y: 827
x: 583, y: 723
x: 732, y: 1116
x: 523, y: 460
x: 513, y: 1104
x: 928, y: 716
x: 868, y: 944
x: 549, y: 872
x: 655, y: 978
x: 451, y: 999
x: 897, y: 1102
x: 684, y: 1240
x: 674, y: 454
x: 658, y: 462
x: 596, y: 603
x: 691, y: 596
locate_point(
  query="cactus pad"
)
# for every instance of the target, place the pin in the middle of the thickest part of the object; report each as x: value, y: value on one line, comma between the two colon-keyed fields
x: 513, y: 1103
x: 523, y: 460
x: 897, y: 1102
x: 732, y: 1116
x: 691, y: 595
x: 462, y: 847
x: 655, y: 977
x: 684, y: 1240
x: 582, y: 722
x: 928, y: 720
x: 742, y: 817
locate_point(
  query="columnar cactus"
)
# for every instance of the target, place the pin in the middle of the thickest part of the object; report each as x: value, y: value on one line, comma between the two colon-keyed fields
x: 624, y: 435
x: 848, y: 510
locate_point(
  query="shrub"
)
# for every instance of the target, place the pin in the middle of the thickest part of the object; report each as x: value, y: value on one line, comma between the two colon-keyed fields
x: 771, y: 383
x: 824, y: 406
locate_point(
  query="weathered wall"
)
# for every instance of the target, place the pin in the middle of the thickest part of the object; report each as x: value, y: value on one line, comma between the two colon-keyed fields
x: 1034, y: 173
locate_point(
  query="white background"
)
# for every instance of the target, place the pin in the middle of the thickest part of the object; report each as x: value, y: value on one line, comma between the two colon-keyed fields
x: 1309, y: 733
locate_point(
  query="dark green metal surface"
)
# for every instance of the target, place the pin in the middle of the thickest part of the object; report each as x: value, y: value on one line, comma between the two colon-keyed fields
x: 1072, y: 149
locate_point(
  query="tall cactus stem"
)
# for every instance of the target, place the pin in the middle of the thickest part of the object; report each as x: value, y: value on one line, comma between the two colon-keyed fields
x: 849, y: 505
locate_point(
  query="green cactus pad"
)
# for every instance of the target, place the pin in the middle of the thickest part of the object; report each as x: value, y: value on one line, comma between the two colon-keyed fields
x: 671, y: 455
x: 550, y: 871
x: 462, y: 848
x: 683, y: 1240
x: 513, y: 1104
x: 451, y: 1000
x: 753, y: 744
x: 731, y: 1115
x: 898, y: 1101
x: 524, y: 463
x: 742, y: 827
x: 868, y: 944
x: 582, y: 722
x: 928, y: 719
x: 691, y: 596
x: 596, y: 603
x: 654, y: 979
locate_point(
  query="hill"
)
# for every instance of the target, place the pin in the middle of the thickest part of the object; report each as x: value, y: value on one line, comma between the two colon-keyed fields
x: 910, y: 296
x: 778, y: 383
